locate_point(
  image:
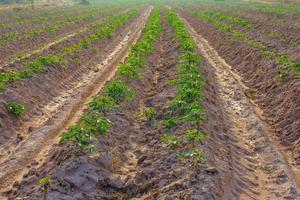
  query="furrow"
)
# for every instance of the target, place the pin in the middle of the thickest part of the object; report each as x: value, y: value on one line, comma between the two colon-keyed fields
x: 259, y: 170
x: 62, y: 111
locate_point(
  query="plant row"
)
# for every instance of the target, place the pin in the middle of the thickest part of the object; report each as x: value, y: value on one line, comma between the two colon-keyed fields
x: 90, y: 27
x: 53, y: 14
x: 221, y: 16
x: 95, y: 122
x: 40, y: 16
x: 234, y: 20
x: 37, y: 65
x: 283, y: 60
x: 278, y: 9
x: 186, y: 107
x: 13, y: 36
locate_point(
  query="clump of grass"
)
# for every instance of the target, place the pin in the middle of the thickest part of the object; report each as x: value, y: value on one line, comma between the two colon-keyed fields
x: 148, y: 114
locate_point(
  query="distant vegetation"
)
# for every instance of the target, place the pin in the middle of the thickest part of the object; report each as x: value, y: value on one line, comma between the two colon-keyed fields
x: 46, y: 2
x: 14, y: 1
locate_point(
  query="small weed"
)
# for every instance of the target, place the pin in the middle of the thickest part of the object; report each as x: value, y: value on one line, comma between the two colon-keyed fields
x: 169, y: 123
x: 171, y: 140
x: 282, y: 75
x: 250, y: 95
x: 194, y: 135
x: 148, y: 114
x: 196, y: 156
x: 268, y: 54
x: 45, y: 183
x: 15, y: 108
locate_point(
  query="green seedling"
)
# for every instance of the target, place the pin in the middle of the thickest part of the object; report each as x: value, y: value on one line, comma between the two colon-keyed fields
x: 129, y: 72
x: 81, y: 137
x: 169, y: 123
x: 95, y: 124
x: 178, y: 107
x: 102, y: 104
x: 15, y: 108
x: 191, y: 58
x: 195, y: 155
x: 171, y: 140
x: 194, y: 135
x: 268, y: 54
x: 119, y: 91
x: 86, y: 132
x: 188, y: 94
x: 148, y: 114
x: 282, y: 75
x: 195, y: 114
x: 131, y: 68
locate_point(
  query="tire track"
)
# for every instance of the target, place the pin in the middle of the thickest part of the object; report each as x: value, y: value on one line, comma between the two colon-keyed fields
x: 66, y: 109
x: 25, y: 54
x: 258, y: 168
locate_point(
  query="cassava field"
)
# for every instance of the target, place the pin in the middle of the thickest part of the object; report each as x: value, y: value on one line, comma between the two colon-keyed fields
x: 150, y: 100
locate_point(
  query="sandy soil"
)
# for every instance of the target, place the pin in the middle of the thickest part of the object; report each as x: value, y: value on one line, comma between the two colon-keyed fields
x: 276, y: 99
x: 55, y: 113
